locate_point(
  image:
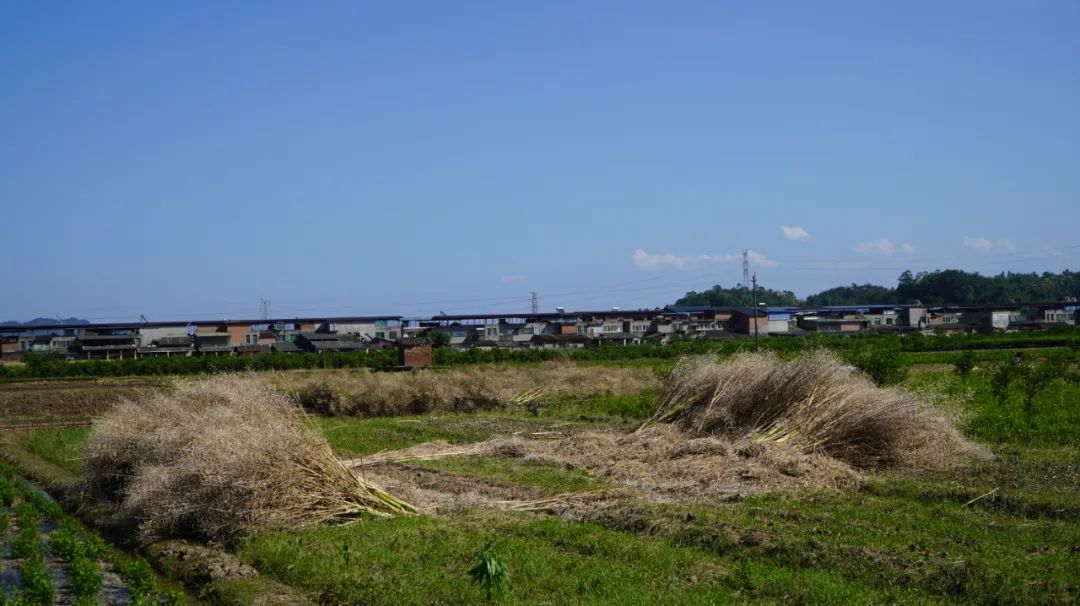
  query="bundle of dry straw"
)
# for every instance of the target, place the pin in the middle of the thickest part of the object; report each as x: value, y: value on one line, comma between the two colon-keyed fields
x: 218, y: 457
x: 812, y: 403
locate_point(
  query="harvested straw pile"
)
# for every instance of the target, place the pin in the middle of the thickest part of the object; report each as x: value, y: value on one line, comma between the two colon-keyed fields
x: 218, y: 457
x: 664, y: 461
x: 812, y: 404
x: 367, y: 394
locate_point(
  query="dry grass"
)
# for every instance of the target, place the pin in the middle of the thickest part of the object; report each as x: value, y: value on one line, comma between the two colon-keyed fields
x: 811, y: 404
x: 66, y: 398
x: 365, y: 393
x: 753, y: 423
x: 216, y: 458
x: 662, y: 462
x: 666, y: 462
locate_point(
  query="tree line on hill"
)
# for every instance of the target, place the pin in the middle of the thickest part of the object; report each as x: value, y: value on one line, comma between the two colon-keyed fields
x: 933, y: 287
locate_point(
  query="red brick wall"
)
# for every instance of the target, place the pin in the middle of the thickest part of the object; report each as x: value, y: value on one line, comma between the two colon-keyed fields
x: 415, y: 356
x: 238, y: 334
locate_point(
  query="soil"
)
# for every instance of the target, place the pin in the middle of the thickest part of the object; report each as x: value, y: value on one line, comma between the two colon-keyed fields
x: 67, y: 400
x: 434, y: 492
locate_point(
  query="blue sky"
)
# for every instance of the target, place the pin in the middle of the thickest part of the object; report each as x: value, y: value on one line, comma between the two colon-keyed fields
x: 183, y: 160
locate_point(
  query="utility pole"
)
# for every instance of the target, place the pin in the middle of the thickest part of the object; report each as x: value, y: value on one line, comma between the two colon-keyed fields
x: 753, y: 290
x: 745, y: 267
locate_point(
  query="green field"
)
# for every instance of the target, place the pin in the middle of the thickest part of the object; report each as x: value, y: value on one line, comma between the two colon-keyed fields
x: 1003, y: 530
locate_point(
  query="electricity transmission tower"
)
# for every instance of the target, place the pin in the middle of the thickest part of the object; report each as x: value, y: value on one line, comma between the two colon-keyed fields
x: 754, y: 319
x: 745, y: 267
x: 534, y: 303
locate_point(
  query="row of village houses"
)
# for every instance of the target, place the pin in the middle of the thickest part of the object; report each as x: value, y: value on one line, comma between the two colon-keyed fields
x: 560, y: 329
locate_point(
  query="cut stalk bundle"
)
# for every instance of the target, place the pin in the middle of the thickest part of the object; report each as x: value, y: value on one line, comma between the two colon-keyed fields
x: 219, y: 457
x: 813, y: 404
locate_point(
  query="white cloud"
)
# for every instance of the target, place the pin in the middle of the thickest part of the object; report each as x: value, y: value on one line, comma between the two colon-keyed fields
x: 881, y: 246
x: 794, y: 233
x: 511, y: 279
x: 980, y: 244
x: 985, y: 245
x: 907, y: 248
x: 761, y: 260
x: 646, y: 260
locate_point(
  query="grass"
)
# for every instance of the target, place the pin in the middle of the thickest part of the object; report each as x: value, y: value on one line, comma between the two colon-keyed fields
x: 1002, y: 530
x: 1054, y: 419
x: 549, y: 560
x: 548, y: 478
x: 61, y: 447
x: 368, y: 436
x: 635, y: 406
x: 903, y: 538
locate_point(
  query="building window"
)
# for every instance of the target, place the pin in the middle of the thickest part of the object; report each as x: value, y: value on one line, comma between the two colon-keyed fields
x: 380, y: 335
x: 612, y: 328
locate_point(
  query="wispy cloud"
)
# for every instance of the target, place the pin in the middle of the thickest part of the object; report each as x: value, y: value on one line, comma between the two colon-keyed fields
x: 795, y: 233
x: 512, y: 279
x: 883, y: 246
x: 646, y: 260
x: 985, y: 245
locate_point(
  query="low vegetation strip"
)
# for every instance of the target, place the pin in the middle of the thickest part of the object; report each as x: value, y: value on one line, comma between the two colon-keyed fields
x: 365, y: 393
x: 39, y: 366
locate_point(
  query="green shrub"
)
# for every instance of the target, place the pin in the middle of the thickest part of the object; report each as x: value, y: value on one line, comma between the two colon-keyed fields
x: 66, y: 544
x: 44, y: 504
x: 38, y: 585
x: 27, y: 541
x: 138, y: 575
x: 7, y: 492
x: 883, y: 366
x: 964, y: 363
x: 85, y: 576
x: 490, y: 573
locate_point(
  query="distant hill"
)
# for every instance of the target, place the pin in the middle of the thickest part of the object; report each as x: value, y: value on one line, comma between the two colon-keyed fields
x: 943, y: 286
x: 718, y: 296
x: 40, y: 321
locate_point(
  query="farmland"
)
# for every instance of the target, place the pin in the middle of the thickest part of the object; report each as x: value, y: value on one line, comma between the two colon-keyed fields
x: 543, y: 464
